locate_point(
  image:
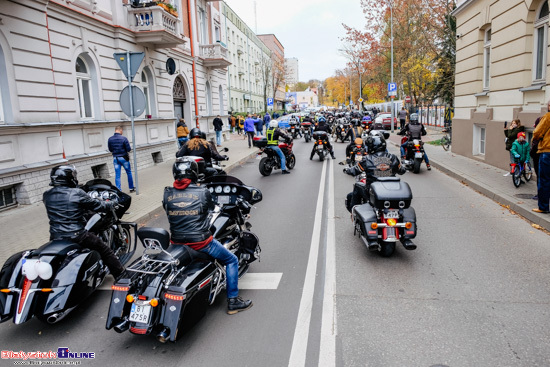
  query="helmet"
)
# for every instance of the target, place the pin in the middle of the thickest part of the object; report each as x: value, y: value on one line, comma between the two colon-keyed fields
x: 414, y: 118
x: 273, y: 124
x: 322, y: 119
x: 376, y: 144
x: 63, y: 176
x: 356, y: 122
x: 195, y: 133
x: 185, y: 167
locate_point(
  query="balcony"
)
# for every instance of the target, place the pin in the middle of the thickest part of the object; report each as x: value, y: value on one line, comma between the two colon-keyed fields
x: 215, y: 56
x: 240, y: 49
x: 240, y: 70
x: 155, y: 26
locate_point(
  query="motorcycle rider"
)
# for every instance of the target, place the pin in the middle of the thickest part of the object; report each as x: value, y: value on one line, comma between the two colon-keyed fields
x: 415, y: 130
x: 190, y: 226
x: 377, y: 163
x: 198, y: 146
x: 273, y: 135
x: 353, y: 133
x: 66, y: 204
x: 323, y: 127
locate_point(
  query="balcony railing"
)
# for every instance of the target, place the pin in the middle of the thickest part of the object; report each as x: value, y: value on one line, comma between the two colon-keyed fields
x: 153, y: 25
x: 240, y: 49
x: 215, y: 56
x: 240, y: 70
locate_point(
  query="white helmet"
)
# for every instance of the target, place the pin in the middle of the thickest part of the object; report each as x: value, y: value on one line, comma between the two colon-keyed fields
x: 273, y: 124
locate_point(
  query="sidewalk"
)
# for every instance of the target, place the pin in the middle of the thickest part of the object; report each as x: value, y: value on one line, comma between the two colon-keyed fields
x: 483, y: 178
x: 26, y: 227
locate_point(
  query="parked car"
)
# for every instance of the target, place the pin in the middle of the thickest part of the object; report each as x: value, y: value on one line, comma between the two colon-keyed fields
x: 383, y: 121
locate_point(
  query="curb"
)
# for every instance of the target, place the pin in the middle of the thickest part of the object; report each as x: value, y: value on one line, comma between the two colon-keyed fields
x: 159, y: 209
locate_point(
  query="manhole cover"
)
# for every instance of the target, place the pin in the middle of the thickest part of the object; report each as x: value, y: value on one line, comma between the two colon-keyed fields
x: 524, y: 196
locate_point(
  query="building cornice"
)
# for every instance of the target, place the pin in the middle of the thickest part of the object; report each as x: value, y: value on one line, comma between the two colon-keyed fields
x: 462, y: 6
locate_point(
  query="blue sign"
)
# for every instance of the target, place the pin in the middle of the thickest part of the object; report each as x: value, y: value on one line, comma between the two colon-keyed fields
x: 270, y: 101
x: 392, y: 87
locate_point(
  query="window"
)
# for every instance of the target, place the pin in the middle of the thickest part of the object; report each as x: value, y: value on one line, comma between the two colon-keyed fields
x: 479, y: 140
x: 7, y: 197
x: 541, y: 43
x: 202, y: 27
x: 145, y: 86
x: 84, y: 85
x: 487, y: 59
x: 208, y: 99
x: 217, y: 33
x: 221, y: 100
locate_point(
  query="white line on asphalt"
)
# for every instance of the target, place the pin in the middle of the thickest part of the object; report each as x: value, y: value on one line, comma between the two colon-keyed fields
x: 327, y: 351
x: 301, y: 333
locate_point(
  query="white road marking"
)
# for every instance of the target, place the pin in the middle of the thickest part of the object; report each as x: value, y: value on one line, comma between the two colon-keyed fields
x: 247, y: 281
x: 260, y: 281
x: 301, y: 332
x: 327, y: 351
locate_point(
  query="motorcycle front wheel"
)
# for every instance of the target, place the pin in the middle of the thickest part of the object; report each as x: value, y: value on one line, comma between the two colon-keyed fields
x: 123, y: 245
x: 265, y: 166
x: 291, y: 161
x: 387, y: 248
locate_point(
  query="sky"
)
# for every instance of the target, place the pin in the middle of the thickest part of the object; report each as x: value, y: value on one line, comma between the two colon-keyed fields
x: 310, y: 30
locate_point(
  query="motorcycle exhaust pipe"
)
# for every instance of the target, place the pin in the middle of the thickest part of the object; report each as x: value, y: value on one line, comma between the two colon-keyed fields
x: 58, y: 316
x: 163, y: 336
x: 408, y: 244
x: 122, y: 326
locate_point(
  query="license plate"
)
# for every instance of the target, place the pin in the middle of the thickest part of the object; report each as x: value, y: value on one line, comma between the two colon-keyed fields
x: 358, y: 158
x: 394, y: 214
x: 319, y: 147
x: 418, y: 155
x: 259, y: 157
x: 140, y: 313
x: 224, y: 199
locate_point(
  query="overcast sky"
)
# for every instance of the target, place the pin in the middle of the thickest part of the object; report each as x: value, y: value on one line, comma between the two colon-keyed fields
x: 309, y: 30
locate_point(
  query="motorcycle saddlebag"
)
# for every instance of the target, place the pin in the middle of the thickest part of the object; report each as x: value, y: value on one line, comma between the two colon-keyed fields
x: 390, y: 192
x: 249, y: 245
x: 259, y: 142
x: 363, y: 216
x: 320, y: 135
x: 409, y: 215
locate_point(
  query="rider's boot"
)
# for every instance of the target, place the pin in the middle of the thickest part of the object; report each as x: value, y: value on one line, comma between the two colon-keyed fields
x: 237, y: 304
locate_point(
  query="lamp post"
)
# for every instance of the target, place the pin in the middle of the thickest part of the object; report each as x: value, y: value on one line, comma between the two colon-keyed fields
x: 391, y: 40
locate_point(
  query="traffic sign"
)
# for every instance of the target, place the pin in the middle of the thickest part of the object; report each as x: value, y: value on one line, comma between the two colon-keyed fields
x: 138, y: 99
x: 135, y: 61
x: 360, y: 99
x: 408, y: 99
x: 392, y: 89
x: 270, y: 102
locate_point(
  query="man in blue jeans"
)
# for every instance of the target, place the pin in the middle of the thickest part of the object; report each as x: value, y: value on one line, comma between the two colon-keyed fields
x: 189, y: 208
x: 120, y: 147
x: 273, y: 135
x: 542, y: 136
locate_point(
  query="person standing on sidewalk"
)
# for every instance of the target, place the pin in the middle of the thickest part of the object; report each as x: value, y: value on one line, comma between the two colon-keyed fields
x: 218, y: 125
x: 542, y: 136
x: 267, y: 120
x: 511, y: 134
x: 120, y: 147
x: 232, y: 123
x: 182, y: 132
x: 402, y: 118
x: 535, y: 156
x: 249, y: 129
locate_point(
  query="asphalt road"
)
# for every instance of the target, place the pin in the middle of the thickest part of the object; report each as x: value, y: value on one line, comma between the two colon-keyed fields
x: 474, y: 293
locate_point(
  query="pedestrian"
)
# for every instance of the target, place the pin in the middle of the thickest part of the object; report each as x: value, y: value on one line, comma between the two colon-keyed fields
x: 240, y: 125
x: 258, y: 124
x: 520, y: 150
x: 218, y: 125
x: 120, y: 147
x: 182, y: 132
x: 535, y: 156
x: 249, y: 129
x: 267, y: 120
x: 402, y: 118
x: 232, y: 123
x: 511, y: 134
x: 542, y: 136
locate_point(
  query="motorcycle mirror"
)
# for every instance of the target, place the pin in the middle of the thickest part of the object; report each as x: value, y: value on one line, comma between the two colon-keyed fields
x: 386, y: 135
x: 225, y: 149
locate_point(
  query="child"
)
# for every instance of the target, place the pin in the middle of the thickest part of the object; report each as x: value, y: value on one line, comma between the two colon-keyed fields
x: 520, y: 151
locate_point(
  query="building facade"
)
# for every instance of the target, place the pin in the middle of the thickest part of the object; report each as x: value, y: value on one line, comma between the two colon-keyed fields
x: 302, y: 100
x: 249, y: 57
x: 501, y: 73
x: 291, y: 71
x: 277, y: 69
x: 60, y: 84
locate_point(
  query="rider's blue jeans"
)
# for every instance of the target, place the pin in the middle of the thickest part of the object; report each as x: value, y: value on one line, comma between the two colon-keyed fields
x: 227, y: 258
x: 120, y: 162
x: 281, y: 156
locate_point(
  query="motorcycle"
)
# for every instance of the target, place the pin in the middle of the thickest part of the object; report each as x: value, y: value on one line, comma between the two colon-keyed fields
x: 414, y: 154
x: 169, y: 288
x: 321, y: 149
x: 384, y: 215
x: 51, y: 281
x: 272, y: 161
x: 294, y: 129
x: 341, y: 132
x: 357, y: 153
x: 306, y: 131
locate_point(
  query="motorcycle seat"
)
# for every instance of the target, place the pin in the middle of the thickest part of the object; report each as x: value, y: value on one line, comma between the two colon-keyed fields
x: 184, y: 254
x: 57, y: 247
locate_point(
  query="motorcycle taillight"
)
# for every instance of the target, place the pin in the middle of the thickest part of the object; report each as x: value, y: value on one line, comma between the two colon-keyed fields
x: 24, y: 292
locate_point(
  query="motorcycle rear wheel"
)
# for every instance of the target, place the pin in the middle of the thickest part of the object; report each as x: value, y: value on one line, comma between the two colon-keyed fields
x: 291, y: 161
x: 322, y: 156
x: 416, y: 166
x: 265, y: 166
x: 386, y: 248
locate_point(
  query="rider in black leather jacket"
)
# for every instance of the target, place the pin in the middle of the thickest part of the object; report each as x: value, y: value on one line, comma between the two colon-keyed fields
x: 197, y: 146
x: 66, y: 204
x: 323, y: 127
x: 188, y: 207
x: 377, y: 163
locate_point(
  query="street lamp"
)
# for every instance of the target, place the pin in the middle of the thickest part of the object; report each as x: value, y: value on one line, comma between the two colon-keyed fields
x: 391, y: 40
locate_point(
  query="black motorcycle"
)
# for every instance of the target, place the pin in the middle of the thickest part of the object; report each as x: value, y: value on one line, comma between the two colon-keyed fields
x: 272, y: 161
x: 414, y: 154
x: 306, y: 131
x: 294, y: 129
x: 320, y: 146
x: 49, y: 282
x: 384, y: 215
x: 170, y: 287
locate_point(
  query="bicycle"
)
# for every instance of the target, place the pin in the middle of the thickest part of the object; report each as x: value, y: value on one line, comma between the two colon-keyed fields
x: 446, y: 139
x: 518, y: 169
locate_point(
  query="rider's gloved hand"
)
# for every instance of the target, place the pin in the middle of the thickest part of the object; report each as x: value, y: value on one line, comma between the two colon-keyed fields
x: 225, y: 157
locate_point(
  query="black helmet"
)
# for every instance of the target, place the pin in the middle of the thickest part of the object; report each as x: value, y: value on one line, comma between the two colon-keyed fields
x: 185, y: 167
x: 63, y: 176
x: 414, y: 118
x: 376, y: 144
x: 356, y: 122
x: 195, y: 132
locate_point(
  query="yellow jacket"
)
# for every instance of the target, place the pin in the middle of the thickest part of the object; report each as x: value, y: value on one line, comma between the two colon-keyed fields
x: 542, y: 134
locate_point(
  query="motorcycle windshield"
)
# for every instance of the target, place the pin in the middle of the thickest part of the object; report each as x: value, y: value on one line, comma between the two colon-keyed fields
x: 220, y: 178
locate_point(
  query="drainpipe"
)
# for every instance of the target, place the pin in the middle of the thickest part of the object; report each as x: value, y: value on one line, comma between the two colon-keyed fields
x: 194, y: 68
